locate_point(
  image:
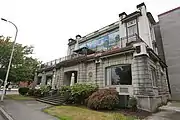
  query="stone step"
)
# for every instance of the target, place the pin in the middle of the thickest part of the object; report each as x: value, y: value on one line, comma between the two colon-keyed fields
x: 54, y: 100
x: 49, y: 102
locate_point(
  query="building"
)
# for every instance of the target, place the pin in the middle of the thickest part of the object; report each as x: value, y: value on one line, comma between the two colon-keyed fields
x: 122, y: 55
x: 170, y: 26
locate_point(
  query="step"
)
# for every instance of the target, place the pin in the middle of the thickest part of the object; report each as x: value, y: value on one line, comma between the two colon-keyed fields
x: 54, y: 100
x: 49, y: 102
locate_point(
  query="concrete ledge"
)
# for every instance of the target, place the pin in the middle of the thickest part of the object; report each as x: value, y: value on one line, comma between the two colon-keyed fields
x: 5, y: 115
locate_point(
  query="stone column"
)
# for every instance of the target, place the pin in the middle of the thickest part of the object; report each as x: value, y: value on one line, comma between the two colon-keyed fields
x: 35, y: 80
x: 72, y: 79
x: 43, y: 82
x: 54, y: 83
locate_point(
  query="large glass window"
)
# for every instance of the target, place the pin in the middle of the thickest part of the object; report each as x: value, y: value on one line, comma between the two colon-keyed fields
x: 119, y: 75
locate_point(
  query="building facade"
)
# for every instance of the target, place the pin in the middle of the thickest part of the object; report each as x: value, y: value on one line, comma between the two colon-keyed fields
x: 169, y: 27
x: 122, y: 55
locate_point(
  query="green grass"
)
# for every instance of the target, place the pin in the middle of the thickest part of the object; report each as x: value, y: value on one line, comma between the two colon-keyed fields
x: 18, y: 97
x: 82, y: 113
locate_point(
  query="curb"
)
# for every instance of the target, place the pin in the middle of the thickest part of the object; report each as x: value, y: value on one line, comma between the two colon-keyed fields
x: 5, y: 115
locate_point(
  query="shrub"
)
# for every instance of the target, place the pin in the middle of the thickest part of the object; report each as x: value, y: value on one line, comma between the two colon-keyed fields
x: 23, y: 90
x: 31, y: 92
x: 45, y: 89
x: 64, y: 89
x: 103, y: 99
x: 80, y: 92
x: 37, y: 93
x: 132, y: 103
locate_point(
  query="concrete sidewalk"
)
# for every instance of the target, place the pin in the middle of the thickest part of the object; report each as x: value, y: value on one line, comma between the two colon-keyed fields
x: 171, y: 111
x: 26, y: 110
x: 171, y: 106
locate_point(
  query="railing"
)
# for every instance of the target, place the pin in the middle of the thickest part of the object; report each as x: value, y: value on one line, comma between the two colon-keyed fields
x: 119, y: 43
x: 56, y: 61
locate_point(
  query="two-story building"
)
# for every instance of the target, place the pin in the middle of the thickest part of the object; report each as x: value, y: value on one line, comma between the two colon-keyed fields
x: 122, y: 55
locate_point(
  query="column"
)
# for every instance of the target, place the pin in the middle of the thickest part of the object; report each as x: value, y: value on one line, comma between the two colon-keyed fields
x: 33, y: 85
x: 72, y: 79
x: 43, y: 82
x: 54, y: 83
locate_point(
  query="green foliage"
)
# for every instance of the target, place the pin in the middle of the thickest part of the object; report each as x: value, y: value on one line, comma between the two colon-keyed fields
x: 132, y: 103
x: 66, y: 92
x: 23, y: 65
x: 45, y: 89
x: 31, y: 92
x: 103, y: 99
x: 23, y: 90
x: 37, y: 93
x: 64, y: 89
x: 82, y: 91
x: 78, y: 92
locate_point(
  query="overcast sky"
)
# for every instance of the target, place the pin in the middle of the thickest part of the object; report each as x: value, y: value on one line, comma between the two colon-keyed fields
x: 48, y: 24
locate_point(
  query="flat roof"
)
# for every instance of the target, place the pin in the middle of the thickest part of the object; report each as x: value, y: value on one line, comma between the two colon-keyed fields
x: 169, y: 11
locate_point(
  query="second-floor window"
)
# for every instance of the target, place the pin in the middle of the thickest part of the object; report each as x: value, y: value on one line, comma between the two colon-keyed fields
x: 132, y: 27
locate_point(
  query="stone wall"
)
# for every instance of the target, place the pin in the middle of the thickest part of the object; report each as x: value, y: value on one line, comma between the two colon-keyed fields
x: 142, y: 84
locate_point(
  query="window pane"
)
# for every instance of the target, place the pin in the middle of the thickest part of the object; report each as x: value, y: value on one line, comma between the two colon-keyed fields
x: 132, y: 30
x: 121, y: 75
x: 153, y: 76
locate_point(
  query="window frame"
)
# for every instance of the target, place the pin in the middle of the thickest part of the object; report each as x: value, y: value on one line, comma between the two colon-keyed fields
x: 108, y: 81
x: 153, y: 77
x: 132, y: 26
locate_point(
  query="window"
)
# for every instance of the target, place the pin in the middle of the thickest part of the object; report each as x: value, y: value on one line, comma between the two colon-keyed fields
x: 119, y: 75
x: 153, y: 76
x: 132, y: 27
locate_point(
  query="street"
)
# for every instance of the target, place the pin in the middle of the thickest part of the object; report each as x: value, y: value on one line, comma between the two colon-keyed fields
x: 10, y: 92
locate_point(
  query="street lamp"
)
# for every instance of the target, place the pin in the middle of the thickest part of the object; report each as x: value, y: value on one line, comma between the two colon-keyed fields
x: 10, y: 59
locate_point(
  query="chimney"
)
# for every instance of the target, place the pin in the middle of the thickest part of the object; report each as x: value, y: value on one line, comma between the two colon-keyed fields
x: 142, y: 8
x: 78, y: 37
x: 143, y: 25
x: 122, y: 15
x: 122, y: 27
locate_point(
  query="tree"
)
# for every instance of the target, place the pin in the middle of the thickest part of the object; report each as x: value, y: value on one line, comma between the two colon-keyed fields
x: 23, y: 64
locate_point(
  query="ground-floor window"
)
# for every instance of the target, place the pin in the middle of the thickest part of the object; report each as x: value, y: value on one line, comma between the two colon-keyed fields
x: 153, y: 76
x: 118, y: 75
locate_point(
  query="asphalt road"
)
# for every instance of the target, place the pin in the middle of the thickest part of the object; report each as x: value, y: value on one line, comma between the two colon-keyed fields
x: 9, y: 92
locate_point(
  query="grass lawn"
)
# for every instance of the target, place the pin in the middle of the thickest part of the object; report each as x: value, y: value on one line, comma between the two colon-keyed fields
x: 19, y: 97
x: 82, y: 113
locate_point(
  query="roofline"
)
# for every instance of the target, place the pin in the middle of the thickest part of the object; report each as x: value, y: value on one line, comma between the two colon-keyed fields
x: 169, y: 11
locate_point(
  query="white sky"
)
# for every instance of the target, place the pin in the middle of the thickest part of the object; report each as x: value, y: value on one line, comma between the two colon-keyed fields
x: 48, y: 24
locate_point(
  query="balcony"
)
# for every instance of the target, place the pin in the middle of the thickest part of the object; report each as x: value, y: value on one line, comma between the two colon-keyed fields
x: 117, y: 44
